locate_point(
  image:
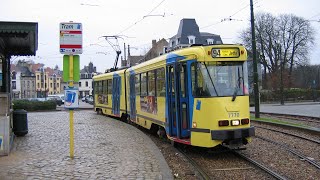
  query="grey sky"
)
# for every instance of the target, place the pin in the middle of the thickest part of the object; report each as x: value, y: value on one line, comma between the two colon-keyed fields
x: 125, y: 17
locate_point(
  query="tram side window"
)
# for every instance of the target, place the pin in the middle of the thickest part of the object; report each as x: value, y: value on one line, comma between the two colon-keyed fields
x: 137, y: 84
x: 144, y: 82
x: 96, y: 87
x: 109, y: 86
x: 161, y: 88
x: 193, y: 78
x: 151, y: 83
x: 105, y: 87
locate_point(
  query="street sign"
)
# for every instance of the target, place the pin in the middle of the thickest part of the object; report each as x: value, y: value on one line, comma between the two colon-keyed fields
x: 70, y: 38
x: 76, y: 68
x: 71, y: 98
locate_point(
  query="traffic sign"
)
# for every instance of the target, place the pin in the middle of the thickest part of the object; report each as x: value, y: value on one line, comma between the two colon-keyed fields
x: 70, y: 38
x: 71, y: 98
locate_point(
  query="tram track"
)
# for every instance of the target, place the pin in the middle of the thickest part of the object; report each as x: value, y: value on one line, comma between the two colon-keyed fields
x: 259, y: 165
x: 300, y: 155
x: 199, y: 171
x: 290, y: 134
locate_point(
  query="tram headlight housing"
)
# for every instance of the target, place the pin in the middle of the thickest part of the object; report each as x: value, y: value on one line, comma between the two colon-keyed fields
x: 223, y: 123
x: 235, y: 122
x: 245, y: 121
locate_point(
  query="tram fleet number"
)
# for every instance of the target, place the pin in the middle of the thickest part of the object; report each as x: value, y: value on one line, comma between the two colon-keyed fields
x: 233, y: 114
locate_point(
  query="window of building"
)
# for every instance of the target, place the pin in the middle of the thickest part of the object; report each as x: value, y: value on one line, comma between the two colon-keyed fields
x: 14, y: 85
x: 58, y: 85
x: 38, y: 85
x: 38, y: 77
x: 87, y: 83
x: 28, y: 84
x: 50, y: 85
x: 14, y: 74
x: 79, y: 84
x: 209, y: 41
x: 192, y: 39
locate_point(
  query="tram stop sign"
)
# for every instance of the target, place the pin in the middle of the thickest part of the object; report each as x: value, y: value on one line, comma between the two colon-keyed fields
x: 66, y: 68
x: 70, y: 38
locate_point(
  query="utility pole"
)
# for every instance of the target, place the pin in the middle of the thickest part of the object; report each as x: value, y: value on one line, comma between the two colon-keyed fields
x: 255, y: 69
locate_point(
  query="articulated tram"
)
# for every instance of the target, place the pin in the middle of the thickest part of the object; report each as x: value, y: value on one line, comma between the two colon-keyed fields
x: 196, y: 96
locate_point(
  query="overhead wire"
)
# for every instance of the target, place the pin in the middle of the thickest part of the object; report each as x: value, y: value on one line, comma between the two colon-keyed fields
x: 135, y: 23
x: 230, y: 19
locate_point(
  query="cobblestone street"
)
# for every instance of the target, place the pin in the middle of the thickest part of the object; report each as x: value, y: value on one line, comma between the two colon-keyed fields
x: 104, y: 149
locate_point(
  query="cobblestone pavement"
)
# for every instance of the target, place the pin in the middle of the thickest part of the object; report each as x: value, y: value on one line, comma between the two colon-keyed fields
x: 104, y: 149
x: 304, y: 109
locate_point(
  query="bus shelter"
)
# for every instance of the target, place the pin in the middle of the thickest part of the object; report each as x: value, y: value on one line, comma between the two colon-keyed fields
x: 16, y: 39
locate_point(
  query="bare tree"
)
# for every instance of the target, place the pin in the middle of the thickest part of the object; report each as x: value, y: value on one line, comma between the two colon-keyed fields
x: 283, y: 42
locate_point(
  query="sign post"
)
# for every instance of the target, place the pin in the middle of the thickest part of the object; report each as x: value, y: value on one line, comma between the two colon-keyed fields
x: 71, y: 44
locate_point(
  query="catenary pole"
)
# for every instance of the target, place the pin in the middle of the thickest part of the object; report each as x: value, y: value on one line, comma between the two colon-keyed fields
x: 255, y: 69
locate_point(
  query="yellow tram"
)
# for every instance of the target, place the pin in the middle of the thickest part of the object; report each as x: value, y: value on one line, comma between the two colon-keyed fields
x: 197, y: 96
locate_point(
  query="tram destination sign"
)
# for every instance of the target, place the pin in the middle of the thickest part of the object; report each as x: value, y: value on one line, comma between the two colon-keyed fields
x: 225, y: 52
x: 70, y: 38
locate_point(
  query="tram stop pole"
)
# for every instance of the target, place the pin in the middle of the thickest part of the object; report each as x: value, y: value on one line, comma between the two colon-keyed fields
x: 70, y: 84
x: 71, y: 47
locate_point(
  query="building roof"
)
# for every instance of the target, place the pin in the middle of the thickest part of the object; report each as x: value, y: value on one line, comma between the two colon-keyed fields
x: 134, y: 59
x: 18, y: 38
x: 189, y: 27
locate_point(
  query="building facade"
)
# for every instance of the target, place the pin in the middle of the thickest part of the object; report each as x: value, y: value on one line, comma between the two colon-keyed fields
x: 189, y: 34
x: 28, y: 88
x: 85, y: 82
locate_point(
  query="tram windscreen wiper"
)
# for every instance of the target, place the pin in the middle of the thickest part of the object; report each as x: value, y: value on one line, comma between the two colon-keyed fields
x: 234, y: 96
x: 210, y: 79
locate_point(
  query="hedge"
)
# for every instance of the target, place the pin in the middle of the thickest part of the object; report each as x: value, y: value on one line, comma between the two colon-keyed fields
x: 34, y: 105
x: 294, y: 94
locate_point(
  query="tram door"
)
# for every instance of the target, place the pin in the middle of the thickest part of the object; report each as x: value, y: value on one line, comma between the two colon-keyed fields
x: 178, y: 100
x: 116, y: 95
x: 132, y: 96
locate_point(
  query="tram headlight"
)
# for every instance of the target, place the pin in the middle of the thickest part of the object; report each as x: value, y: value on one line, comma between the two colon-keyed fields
x: 235, y: 122
x: 194, y: 124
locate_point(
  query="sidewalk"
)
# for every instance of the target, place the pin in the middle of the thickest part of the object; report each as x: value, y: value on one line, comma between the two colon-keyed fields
x: 104, y: 149
x: 300, y: 108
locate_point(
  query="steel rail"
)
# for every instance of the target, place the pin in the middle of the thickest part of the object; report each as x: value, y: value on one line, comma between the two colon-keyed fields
x: 203, y: 174
x: 286, y: 133
x: 264, y: 168
x: 314, y: 163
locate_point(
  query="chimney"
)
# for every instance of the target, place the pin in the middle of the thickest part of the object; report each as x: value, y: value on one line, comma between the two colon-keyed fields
x: 154, y: 43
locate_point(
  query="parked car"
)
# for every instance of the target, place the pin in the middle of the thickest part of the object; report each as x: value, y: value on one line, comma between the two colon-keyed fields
x: 90, y: 100
x: 87, y: 97
x: 58, y: 100
x: 61, y: 97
